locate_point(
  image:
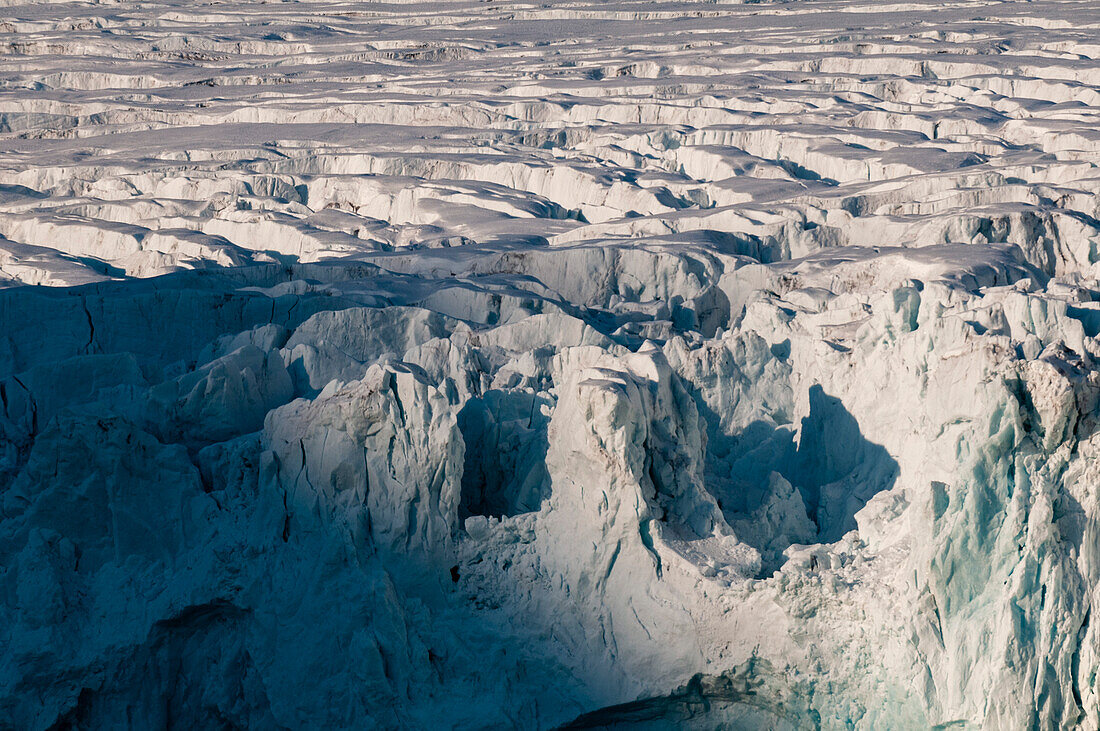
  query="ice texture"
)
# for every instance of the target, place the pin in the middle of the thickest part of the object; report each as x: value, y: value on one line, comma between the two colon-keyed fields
x: 571, y: 364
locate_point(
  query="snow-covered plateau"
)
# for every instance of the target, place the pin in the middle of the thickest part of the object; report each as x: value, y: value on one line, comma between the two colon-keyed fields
x: 575, y: 363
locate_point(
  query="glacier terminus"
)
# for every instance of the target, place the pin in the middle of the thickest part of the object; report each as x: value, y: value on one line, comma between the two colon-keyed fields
x: 538, y: 364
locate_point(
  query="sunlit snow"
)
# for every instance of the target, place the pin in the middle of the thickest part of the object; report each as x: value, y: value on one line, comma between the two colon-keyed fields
x: 513, y: 364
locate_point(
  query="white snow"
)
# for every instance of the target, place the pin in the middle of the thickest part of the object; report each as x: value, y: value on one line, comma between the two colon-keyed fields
x: 462, y: 364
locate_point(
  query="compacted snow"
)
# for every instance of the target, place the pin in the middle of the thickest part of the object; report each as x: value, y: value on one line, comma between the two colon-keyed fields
x: 526, y: 364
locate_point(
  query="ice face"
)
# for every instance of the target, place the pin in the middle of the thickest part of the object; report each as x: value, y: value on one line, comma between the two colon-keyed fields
x: 598, y: 364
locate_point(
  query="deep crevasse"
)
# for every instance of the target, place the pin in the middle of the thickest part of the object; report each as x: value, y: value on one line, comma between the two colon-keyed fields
x: 477, y: 365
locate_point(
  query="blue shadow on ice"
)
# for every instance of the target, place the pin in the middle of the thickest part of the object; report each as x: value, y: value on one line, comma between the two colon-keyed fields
x: 832, y: 466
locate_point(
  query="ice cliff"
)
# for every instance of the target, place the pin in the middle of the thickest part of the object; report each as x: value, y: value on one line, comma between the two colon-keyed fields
x: 534, y: 365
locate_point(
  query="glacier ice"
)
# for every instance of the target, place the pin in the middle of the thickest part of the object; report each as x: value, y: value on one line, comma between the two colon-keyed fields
x: 533, y: 365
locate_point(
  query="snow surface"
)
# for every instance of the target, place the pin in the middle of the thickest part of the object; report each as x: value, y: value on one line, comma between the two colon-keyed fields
x: 509, y: 364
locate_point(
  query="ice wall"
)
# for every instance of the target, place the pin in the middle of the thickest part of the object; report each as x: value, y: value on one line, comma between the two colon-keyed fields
x: 583, y: 365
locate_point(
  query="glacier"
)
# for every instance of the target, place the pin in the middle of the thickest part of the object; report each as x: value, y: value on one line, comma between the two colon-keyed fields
x: 570, y: 364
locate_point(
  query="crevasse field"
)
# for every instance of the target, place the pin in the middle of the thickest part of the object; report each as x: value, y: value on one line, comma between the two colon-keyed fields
x: 508, y: 364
